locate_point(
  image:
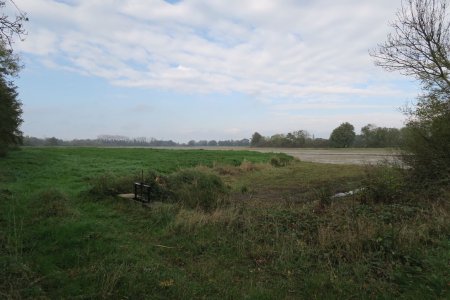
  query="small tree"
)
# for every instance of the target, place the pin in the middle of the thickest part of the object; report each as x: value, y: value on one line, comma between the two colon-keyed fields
x: 342, y: 136
x: 419, y: 47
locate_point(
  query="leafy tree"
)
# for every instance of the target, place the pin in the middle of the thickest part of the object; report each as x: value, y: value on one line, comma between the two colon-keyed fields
x: 53, y: 142
x: 212, y: 143
x: 202, y: 143
x: 257, y: 140
x: 298, y: 138
x: 419, y: 47
x: 342, y: 136
x: 373, y: 136
x: 10, y: 106
x: 278, y: 140
x: 10, y: 120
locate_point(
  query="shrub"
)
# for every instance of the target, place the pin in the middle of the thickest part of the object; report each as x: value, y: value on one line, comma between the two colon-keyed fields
x: 196, y: 189
x: 383, y: 183
x: 427, y: 146
x: 192, y: 188
x: 280, y: 160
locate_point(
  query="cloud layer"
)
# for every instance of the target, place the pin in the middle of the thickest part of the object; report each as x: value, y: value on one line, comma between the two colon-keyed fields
x: 270, y: 49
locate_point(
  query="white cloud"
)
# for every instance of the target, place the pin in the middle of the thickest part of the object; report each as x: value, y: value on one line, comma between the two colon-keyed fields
x: 266, y: 48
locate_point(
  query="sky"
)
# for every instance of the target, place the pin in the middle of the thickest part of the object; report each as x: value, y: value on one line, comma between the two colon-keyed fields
x: 216, y: 69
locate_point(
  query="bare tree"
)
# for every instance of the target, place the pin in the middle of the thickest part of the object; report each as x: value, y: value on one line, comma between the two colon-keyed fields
x: 10, y: 27
x: 420, y: 44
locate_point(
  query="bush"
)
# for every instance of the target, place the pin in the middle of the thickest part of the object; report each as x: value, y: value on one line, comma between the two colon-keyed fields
x: 196, y: 189
x: 280, y: 160
x: 192, y: 188
x: 428, y: 151
x: 383, y: 183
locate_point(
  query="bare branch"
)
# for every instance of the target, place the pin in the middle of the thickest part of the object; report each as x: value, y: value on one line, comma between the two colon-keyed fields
x: 11, y: 27
x: 420, y: 43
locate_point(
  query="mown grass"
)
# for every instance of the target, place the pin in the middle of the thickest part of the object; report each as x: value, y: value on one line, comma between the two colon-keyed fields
x: 277, y: 237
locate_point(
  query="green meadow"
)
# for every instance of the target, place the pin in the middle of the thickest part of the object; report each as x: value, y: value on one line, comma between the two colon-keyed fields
x: 224, y: 224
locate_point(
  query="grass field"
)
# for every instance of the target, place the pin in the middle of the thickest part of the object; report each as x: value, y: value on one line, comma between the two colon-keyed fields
x: 278, y: 235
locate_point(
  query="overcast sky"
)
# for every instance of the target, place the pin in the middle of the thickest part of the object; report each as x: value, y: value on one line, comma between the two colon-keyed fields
x: 215, y: 69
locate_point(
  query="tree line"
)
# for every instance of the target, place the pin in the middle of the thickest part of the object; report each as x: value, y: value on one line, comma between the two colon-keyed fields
x: 343, y: 136
x: 123, y: 141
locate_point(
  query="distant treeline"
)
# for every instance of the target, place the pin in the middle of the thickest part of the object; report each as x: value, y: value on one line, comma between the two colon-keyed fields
x: 371, y: 136
x: 123, y: 141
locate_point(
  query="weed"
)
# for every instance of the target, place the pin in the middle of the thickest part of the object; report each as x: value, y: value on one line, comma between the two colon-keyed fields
x: 324, y: 196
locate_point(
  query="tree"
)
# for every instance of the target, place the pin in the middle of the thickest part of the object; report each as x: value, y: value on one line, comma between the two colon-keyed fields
x: 257, y: 140
x: 374, y: 136
x: 419, y: 44
x: 10, y: 106
x: 419, y: 47
x: 11, y: 27
x: 342, y: 136
x: 298, y: 138
x: 10, y: 120
x: 212, y: 143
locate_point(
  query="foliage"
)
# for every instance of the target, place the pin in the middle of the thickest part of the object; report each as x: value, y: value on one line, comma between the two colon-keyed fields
x: 256, y: 140
x: 10, y: 106
x: 190, y: 188
x: 373, y: 136
x: 429, y: 142
x: 123, y: 141
x: 280, y: 160
x: 10, y: 117
x: 193, y: 188
x: 295, y: 139
x: 419, y: 47
x: 342, y: 136
x: 383, y: 183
